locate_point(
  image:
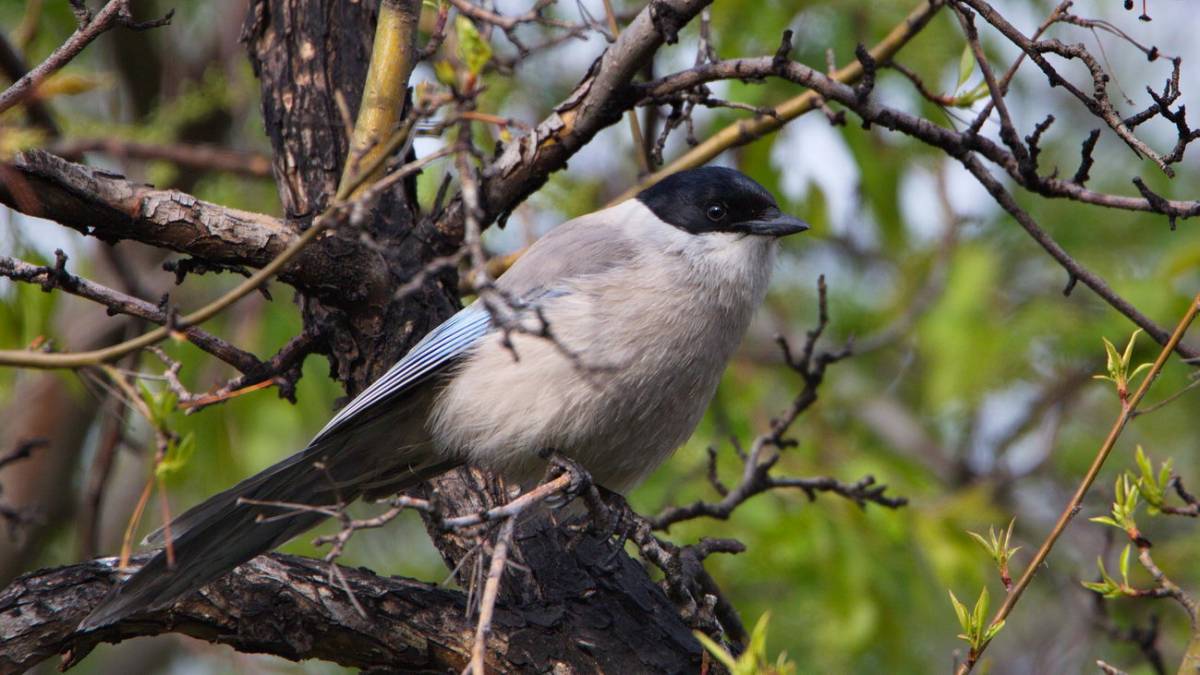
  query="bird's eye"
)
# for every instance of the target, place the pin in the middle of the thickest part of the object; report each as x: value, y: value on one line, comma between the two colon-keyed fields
x: 715, y: 211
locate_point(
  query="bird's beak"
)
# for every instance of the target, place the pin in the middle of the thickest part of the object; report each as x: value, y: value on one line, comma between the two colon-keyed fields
x: 778, y: 225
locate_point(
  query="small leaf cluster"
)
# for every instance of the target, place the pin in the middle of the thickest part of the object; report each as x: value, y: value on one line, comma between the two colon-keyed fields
x: 1124, y: 507
x: 976, y: 630
x: 998, y: 548
x: 1109, y: 587
x: 474, y: 52
x: 1152, y: 486
x: 1118, y: 366
x: 966, y: 67
x: 754, y: 660
x: 159, y: 406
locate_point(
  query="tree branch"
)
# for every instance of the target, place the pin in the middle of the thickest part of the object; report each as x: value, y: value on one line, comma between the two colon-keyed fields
x: 749, y: 130
x: 961, y: 146
x: 114, y: 13
x: 119, y: 303
x: 598, y: 101
x: 294, y: 608
x: 111, y: 208
x: 1072, y: 507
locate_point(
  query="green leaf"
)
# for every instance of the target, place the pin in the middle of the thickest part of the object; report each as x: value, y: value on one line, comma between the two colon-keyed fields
x: 966, y: 66
x: 717, y: 651
x: 474, y: 51
x: 160, y: 404
x: 1105, y: 520
x: 758, y: 637
x: 1137, y: 371
x: 968, y: 99
x: 993, y: 630
x: 444, y: 71
x: 1114, y: 360
x: 979, y: 616
x: 960, y: 610
x: 983, y: 542
x: 1129, y: 350
x: 178, y: 454
x: 1125, y: 564
x: 1143, y: 463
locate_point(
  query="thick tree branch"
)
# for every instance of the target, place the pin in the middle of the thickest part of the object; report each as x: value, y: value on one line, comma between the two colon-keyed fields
x: 113, y: 208
x: 292, y: 607
x: 282, y: 605
x: 598, y: 101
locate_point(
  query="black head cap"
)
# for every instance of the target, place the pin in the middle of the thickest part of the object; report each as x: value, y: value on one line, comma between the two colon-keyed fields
x: 717, y: 199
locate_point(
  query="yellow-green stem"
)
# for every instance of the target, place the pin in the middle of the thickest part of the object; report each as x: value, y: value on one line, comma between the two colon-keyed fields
x: 1072, y: 507
x: 393, y: 57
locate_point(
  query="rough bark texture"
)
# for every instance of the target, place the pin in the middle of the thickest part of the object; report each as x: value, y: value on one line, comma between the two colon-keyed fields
x: 111, y: 208
x: 290, y: 606
x: 307, y: 53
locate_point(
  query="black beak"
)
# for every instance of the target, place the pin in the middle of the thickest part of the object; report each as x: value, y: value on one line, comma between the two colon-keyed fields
x: 776, y: 225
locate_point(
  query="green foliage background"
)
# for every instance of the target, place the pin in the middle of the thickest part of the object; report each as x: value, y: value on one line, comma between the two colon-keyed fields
x: 849, y: 589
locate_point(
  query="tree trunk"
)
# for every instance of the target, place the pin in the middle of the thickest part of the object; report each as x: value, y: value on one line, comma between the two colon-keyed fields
x: 308, y: 53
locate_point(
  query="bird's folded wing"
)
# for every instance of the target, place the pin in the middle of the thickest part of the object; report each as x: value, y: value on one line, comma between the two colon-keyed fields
x: 439, y: 348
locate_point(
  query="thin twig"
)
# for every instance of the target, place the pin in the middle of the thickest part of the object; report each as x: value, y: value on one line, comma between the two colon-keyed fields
x: 114, y: 13
x: 487, y: 604
x: 1073, y: 505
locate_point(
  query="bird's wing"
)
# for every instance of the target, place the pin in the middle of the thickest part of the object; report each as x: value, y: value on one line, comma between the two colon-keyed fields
x: 580, y: 247
x: 439, y: 348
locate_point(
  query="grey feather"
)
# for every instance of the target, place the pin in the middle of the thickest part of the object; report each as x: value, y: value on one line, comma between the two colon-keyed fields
x: 645, y: 306
x: 578, y: 248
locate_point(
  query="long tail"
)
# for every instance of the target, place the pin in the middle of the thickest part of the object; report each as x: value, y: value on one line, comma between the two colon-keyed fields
x: 224, y: 531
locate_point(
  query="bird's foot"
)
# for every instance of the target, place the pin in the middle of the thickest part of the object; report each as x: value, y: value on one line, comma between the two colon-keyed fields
x: 579, y: 480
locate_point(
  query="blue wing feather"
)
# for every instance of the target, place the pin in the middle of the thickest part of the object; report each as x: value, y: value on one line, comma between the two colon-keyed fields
x: 441, y: 346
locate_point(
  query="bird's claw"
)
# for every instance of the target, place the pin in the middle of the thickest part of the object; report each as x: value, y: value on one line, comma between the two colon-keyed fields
x: 580, y: 481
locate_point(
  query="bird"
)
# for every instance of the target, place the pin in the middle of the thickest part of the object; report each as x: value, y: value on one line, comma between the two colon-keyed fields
x: 603, y: 342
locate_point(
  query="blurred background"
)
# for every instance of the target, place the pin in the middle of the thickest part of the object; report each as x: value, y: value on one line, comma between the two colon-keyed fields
x: 971, y: 392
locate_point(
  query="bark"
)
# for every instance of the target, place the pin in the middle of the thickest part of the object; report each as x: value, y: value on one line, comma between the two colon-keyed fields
x: 292, y: 607
x: 308, y: 53
x: 111, y: 208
